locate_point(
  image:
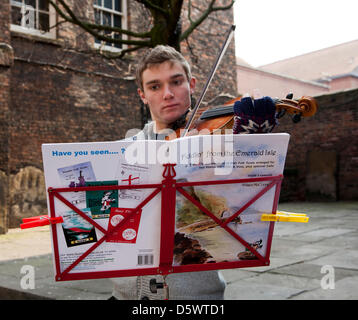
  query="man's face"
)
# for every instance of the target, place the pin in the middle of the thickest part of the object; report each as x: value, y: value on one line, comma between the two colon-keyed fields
x: 166, y: 90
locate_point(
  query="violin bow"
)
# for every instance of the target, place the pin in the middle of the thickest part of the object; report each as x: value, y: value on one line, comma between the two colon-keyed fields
x: 211, y: 75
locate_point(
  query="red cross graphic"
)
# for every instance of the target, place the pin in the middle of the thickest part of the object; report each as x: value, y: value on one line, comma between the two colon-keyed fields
x: 130, y: 179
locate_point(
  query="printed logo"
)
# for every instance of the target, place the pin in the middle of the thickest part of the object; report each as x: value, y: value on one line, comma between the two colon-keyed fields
x: 129, y: 234
x: 327, y: 281
x: 116, y: 219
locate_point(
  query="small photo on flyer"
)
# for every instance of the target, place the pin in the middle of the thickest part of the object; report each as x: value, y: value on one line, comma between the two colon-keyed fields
x: 101, y: 201
x: 78, y: 231
x: 76, y: 176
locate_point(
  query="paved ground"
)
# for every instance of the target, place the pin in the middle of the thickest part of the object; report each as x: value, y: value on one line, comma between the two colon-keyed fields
x: 303, y: 257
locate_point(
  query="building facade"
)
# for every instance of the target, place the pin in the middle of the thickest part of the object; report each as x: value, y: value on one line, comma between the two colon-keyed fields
x: 330, y: 69
x: 266, y: 83
x: 55, y: 87
x: 322, y: 158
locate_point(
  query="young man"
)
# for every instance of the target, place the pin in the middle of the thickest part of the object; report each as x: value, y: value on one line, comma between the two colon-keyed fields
x: 165, y: 85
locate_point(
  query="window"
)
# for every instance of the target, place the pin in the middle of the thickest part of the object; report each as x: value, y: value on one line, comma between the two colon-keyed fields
x: 110, y: 13
x: 33, y: 17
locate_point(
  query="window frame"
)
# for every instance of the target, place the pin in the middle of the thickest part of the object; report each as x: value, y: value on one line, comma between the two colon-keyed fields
x: 124, y: 22
x: 35, y: 31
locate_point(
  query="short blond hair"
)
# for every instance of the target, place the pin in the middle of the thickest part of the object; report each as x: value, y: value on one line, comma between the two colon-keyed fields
x: 158, y: 55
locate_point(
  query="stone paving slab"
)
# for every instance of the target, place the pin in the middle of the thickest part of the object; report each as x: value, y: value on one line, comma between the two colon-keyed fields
x: 313, y: 271
x: 345, y: 289
x: 342, y: 259
x: 250, y: 289
x: 299, y: 253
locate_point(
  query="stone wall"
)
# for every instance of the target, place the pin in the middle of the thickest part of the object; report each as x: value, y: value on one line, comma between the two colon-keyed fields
x: 322, y: 160
x: 6, y: 61
x: 26, y: 194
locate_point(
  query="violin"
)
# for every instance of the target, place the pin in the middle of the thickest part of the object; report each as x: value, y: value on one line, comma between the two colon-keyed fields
x: 220, y: 118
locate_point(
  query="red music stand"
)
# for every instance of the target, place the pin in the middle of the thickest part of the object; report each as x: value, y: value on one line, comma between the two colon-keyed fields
x: 168, y: 187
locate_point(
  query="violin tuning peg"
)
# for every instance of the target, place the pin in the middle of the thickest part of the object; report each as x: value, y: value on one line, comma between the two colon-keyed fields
x: 289, y: 95
x: 296, y: 118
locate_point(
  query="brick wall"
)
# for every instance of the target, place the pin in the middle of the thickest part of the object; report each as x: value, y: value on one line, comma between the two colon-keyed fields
x: 333, y: 130
x: 60, y: 91
x: 6, y: 61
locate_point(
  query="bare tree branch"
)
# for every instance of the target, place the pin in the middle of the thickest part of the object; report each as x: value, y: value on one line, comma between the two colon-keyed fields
x: 189, y: 12
x: 117, y: 55
x: 165, y: 25
x: 89, y: 27
x: 194, y: 24
x: 150, y: 5
x: 119, y: 30
x: 224, y: 7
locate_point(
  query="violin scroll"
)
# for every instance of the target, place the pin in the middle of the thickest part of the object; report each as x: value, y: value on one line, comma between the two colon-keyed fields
x: 305, y: 107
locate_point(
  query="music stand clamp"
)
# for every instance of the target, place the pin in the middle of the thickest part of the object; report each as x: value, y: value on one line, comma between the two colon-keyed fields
x: 154, y: 286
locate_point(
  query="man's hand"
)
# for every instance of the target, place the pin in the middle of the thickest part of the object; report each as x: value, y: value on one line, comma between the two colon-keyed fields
x: 254, y: 116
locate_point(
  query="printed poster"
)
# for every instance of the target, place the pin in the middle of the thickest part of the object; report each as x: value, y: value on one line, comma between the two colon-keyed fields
x: 197, y: 239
